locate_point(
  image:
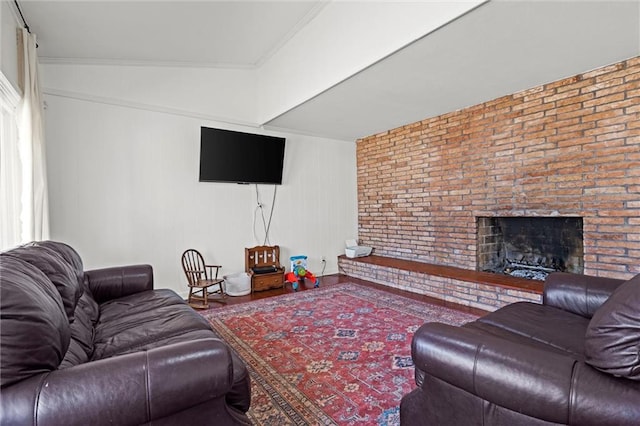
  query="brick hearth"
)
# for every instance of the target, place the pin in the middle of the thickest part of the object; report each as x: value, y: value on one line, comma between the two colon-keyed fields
x: 567, y: 148
x: 482, y: 290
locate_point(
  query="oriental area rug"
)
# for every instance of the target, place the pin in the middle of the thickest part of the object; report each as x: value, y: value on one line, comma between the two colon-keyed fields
x: 339, y: 355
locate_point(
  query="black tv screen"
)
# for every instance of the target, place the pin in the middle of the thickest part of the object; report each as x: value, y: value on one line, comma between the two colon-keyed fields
x: 230, y: 156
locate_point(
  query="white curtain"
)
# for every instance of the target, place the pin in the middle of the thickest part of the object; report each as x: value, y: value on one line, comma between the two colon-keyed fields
x: 10, y: 169
x: 27, y: 174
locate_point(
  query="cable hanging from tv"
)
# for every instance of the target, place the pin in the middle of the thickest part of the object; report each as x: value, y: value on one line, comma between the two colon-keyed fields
x: 265, y: 224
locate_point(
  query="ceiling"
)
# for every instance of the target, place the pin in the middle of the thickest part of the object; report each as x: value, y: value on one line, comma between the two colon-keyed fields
x: 496, y: 49
x: 235, y: 34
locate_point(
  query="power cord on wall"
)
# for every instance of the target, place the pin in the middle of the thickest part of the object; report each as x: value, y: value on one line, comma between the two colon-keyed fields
x: 266, y: 225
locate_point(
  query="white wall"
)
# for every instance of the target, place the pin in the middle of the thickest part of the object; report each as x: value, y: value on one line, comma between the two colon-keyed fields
x: 8, y: 44
x: 124, y: 188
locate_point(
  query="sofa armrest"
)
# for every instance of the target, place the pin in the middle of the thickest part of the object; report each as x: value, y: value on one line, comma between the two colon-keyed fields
x: 579, y: 294
x: 112, y: 283
x: 526, y: 379
x: 129, y: 389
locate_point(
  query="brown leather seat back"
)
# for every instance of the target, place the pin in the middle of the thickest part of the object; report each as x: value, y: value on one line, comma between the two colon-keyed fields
x: 30, y: 305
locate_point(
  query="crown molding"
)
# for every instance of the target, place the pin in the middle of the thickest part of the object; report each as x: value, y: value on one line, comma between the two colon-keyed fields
x: 145, y: 107
x: 84, y: 97
x: 140, y: 63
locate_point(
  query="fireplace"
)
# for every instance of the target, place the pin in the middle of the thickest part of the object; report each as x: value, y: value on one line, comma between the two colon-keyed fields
x: 530, y: 247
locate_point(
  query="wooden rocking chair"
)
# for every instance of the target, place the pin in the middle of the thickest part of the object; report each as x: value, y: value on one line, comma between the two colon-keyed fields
x: 201, y: 278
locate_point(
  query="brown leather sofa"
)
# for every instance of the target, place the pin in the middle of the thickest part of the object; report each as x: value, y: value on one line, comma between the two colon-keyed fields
x: 574, y: 359
x: 102, y: 347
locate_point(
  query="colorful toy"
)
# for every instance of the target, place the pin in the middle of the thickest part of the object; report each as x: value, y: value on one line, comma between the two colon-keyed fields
x: 299, y: 272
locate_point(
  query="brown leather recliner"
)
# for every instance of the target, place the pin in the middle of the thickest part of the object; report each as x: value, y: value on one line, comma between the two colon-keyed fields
x: 102, y: 347
x: 575, y: 360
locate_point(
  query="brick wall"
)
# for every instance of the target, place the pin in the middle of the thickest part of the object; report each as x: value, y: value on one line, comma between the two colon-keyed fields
x: 567, y: 148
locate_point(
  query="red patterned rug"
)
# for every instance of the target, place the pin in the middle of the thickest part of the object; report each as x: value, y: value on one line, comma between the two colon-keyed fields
x: 335, y: 355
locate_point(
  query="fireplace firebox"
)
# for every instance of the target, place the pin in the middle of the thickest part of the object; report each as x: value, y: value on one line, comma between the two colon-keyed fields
x: 530, y: 247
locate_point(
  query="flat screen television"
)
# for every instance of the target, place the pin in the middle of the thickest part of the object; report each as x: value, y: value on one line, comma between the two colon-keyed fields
x: 230, y: 156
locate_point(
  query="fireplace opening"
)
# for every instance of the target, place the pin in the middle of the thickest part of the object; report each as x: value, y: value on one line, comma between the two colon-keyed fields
x: 530, y: 247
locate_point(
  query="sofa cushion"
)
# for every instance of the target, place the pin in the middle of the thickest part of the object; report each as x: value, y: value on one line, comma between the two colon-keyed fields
x: 75, y: 355
x: 82, y: 331
x: 136, y: 303
x: 56, y: 268
x: 68, y: 254
x: 86, y: 301
x: 145, y: 320
x: 35, y: 330
x: 88, y: 304
x: 552, y: 327
x: 612, y: 342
